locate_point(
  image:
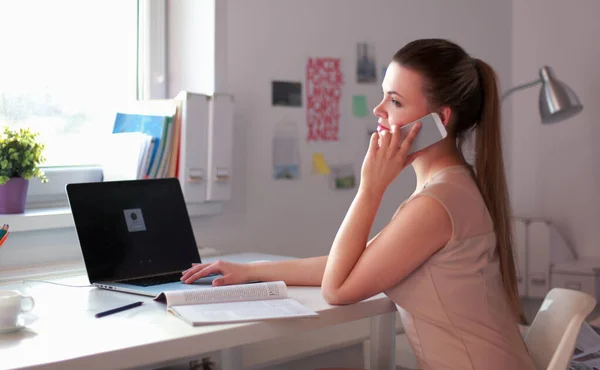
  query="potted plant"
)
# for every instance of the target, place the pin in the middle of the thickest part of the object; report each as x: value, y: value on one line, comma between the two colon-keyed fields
x: 20, y: 158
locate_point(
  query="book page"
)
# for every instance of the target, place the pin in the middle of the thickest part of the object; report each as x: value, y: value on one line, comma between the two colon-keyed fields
x: 229, y: 293
x: 587, y: 349
x: 588, y: 340
x: 241, y: 311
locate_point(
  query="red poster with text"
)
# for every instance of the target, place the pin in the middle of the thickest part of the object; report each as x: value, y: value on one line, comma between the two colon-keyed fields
x: 323, y: 93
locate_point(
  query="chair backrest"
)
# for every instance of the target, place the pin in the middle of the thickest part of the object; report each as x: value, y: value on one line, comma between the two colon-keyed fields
x: 553, y: 333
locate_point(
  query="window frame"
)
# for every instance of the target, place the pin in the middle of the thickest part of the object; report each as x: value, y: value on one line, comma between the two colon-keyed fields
x: 151, y: 84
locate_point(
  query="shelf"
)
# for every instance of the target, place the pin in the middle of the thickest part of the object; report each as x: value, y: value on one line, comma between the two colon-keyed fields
x: 59, y: 218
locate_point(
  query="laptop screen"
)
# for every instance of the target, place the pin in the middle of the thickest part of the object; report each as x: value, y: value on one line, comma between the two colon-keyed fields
x: 131, y: 229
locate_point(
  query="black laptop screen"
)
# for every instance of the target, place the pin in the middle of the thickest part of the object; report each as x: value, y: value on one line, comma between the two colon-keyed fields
x: 130, y: 229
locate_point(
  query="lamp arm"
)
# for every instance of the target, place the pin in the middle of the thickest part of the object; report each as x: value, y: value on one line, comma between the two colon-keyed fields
x: 520, y: 87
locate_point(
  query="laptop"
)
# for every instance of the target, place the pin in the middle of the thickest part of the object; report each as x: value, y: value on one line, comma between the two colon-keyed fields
x: 135, y: 236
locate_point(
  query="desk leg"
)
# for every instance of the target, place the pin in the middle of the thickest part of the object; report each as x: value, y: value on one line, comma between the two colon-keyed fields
x: 232, y: 359
x: 383, y: 342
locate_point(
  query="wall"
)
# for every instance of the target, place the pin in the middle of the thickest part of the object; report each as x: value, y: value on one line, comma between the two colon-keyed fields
x: 555, y: 171
x: 272, y: 40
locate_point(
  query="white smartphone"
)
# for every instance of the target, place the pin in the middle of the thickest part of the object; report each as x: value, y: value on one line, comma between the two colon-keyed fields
x: 432, y: 131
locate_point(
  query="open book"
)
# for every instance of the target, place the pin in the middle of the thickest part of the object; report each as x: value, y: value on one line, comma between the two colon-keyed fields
x: 234, y: 303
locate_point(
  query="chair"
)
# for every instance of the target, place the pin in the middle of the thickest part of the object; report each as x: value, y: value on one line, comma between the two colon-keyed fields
x: 553, y: 333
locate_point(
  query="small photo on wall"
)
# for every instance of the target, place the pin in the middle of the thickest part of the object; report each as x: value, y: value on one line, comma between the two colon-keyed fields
x: 366, y: 68
x: 287, y: 94
x: 342, y: 177
x: 359, y: 106
x: 286, y: 159
x: 286, y: 172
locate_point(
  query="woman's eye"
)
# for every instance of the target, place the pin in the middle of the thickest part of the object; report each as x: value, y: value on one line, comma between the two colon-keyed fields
x: 396, y: 103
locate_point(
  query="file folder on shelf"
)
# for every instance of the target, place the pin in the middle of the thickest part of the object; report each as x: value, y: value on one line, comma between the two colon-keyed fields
x: 546, y: 247
x: 220, y: 147
x: 193, y: 153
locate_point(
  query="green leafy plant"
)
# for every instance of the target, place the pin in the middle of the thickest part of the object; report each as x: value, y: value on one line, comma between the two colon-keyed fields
x: 20, y: 155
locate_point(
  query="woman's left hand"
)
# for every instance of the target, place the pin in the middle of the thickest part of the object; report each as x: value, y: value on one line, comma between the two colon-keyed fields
x: 386, y: 158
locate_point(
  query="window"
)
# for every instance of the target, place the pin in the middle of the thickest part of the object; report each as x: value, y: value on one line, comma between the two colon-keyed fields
x: 195, y: 54
x: 67, y: 66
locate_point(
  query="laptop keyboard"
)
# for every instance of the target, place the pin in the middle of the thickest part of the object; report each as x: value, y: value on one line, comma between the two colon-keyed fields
x: 154, y: 280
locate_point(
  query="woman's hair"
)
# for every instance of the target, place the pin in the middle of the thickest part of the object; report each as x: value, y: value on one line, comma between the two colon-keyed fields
x: 468, y: 86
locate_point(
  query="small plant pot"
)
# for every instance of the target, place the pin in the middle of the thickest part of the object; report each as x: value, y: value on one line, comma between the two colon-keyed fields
x: 13, y: 195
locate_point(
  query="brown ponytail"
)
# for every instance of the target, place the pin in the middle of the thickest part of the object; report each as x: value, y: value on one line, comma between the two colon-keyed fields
x: 491, y: 179
x: 468, y: 86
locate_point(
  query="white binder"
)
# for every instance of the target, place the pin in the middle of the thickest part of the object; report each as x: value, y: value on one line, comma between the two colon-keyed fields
x: 193, y: 156
x: 220, y: 147
x: 545, y: 247
x: 538, y: 263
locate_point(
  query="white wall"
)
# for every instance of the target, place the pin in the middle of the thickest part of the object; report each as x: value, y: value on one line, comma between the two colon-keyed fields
x: 555, y: 168
x: 272, y: 40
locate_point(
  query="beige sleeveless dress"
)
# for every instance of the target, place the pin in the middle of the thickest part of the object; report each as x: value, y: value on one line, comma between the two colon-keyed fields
x: 453, y: 307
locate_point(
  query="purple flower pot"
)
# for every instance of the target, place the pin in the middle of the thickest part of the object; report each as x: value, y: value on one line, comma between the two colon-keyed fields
x: 13, y: 195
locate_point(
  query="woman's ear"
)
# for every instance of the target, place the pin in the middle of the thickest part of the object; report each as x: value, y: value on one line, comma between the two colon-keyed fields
x: 445, y: 115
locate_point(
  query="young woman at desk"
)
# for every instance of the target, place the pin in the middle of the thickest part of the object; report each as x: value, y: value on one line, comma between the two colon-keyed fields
x: 445, y: 258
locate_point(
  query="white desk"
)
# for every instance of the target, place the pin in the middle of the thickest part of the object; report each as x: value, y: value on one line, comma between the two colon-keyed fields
x: 66, y: 334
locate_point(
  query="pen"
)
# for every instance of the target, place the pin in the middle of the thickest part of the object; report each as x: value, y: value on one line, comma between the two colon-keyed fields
x: 118, y: 309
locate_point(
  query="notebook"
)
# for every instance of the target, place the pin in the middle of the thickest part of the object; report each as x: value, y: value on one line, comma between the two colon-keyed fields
x: 235, y: 303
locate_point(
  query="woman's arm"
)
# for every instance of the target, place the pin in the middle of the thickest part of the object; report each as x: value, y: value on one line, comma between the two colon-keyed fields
x: 354, y: 272
x: 305, y: 271
x: 350, y: 241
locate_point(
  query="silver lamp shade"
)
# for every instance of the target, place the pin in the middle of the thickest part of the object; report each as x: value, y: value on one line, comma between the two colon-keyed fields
x: 557, y: 101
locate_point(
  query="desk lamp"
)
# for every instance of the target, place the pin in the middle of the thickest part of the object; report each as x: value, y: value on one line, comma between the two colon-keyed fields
x: 557, y: 101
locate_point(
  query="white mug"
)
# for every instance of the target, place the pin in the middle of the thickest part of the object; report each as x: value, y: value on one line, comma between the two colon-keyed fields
x: 11, y: 306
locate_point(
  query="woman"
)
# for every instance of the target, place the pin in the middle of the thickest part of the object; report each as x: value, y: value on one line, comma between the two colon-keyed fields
x: 445, y: 258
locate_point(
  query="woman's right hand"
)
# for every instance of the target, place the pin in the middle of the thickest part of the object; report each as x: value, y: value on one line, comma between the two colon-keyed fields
x: 232, y: 273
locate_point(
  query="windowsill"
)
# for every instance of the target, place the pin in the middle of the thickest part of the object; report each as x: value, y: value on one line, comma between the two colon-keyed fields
x: 60, y: 217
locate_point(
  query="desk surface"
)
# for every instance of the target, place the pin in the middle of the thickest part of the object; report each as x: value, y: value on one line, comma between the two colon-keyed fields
x: 66, y: 335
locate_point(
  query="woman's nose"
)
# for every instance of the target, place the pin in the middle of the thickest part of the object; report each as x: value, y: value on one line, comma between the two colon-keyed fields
x: 379, y: 111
